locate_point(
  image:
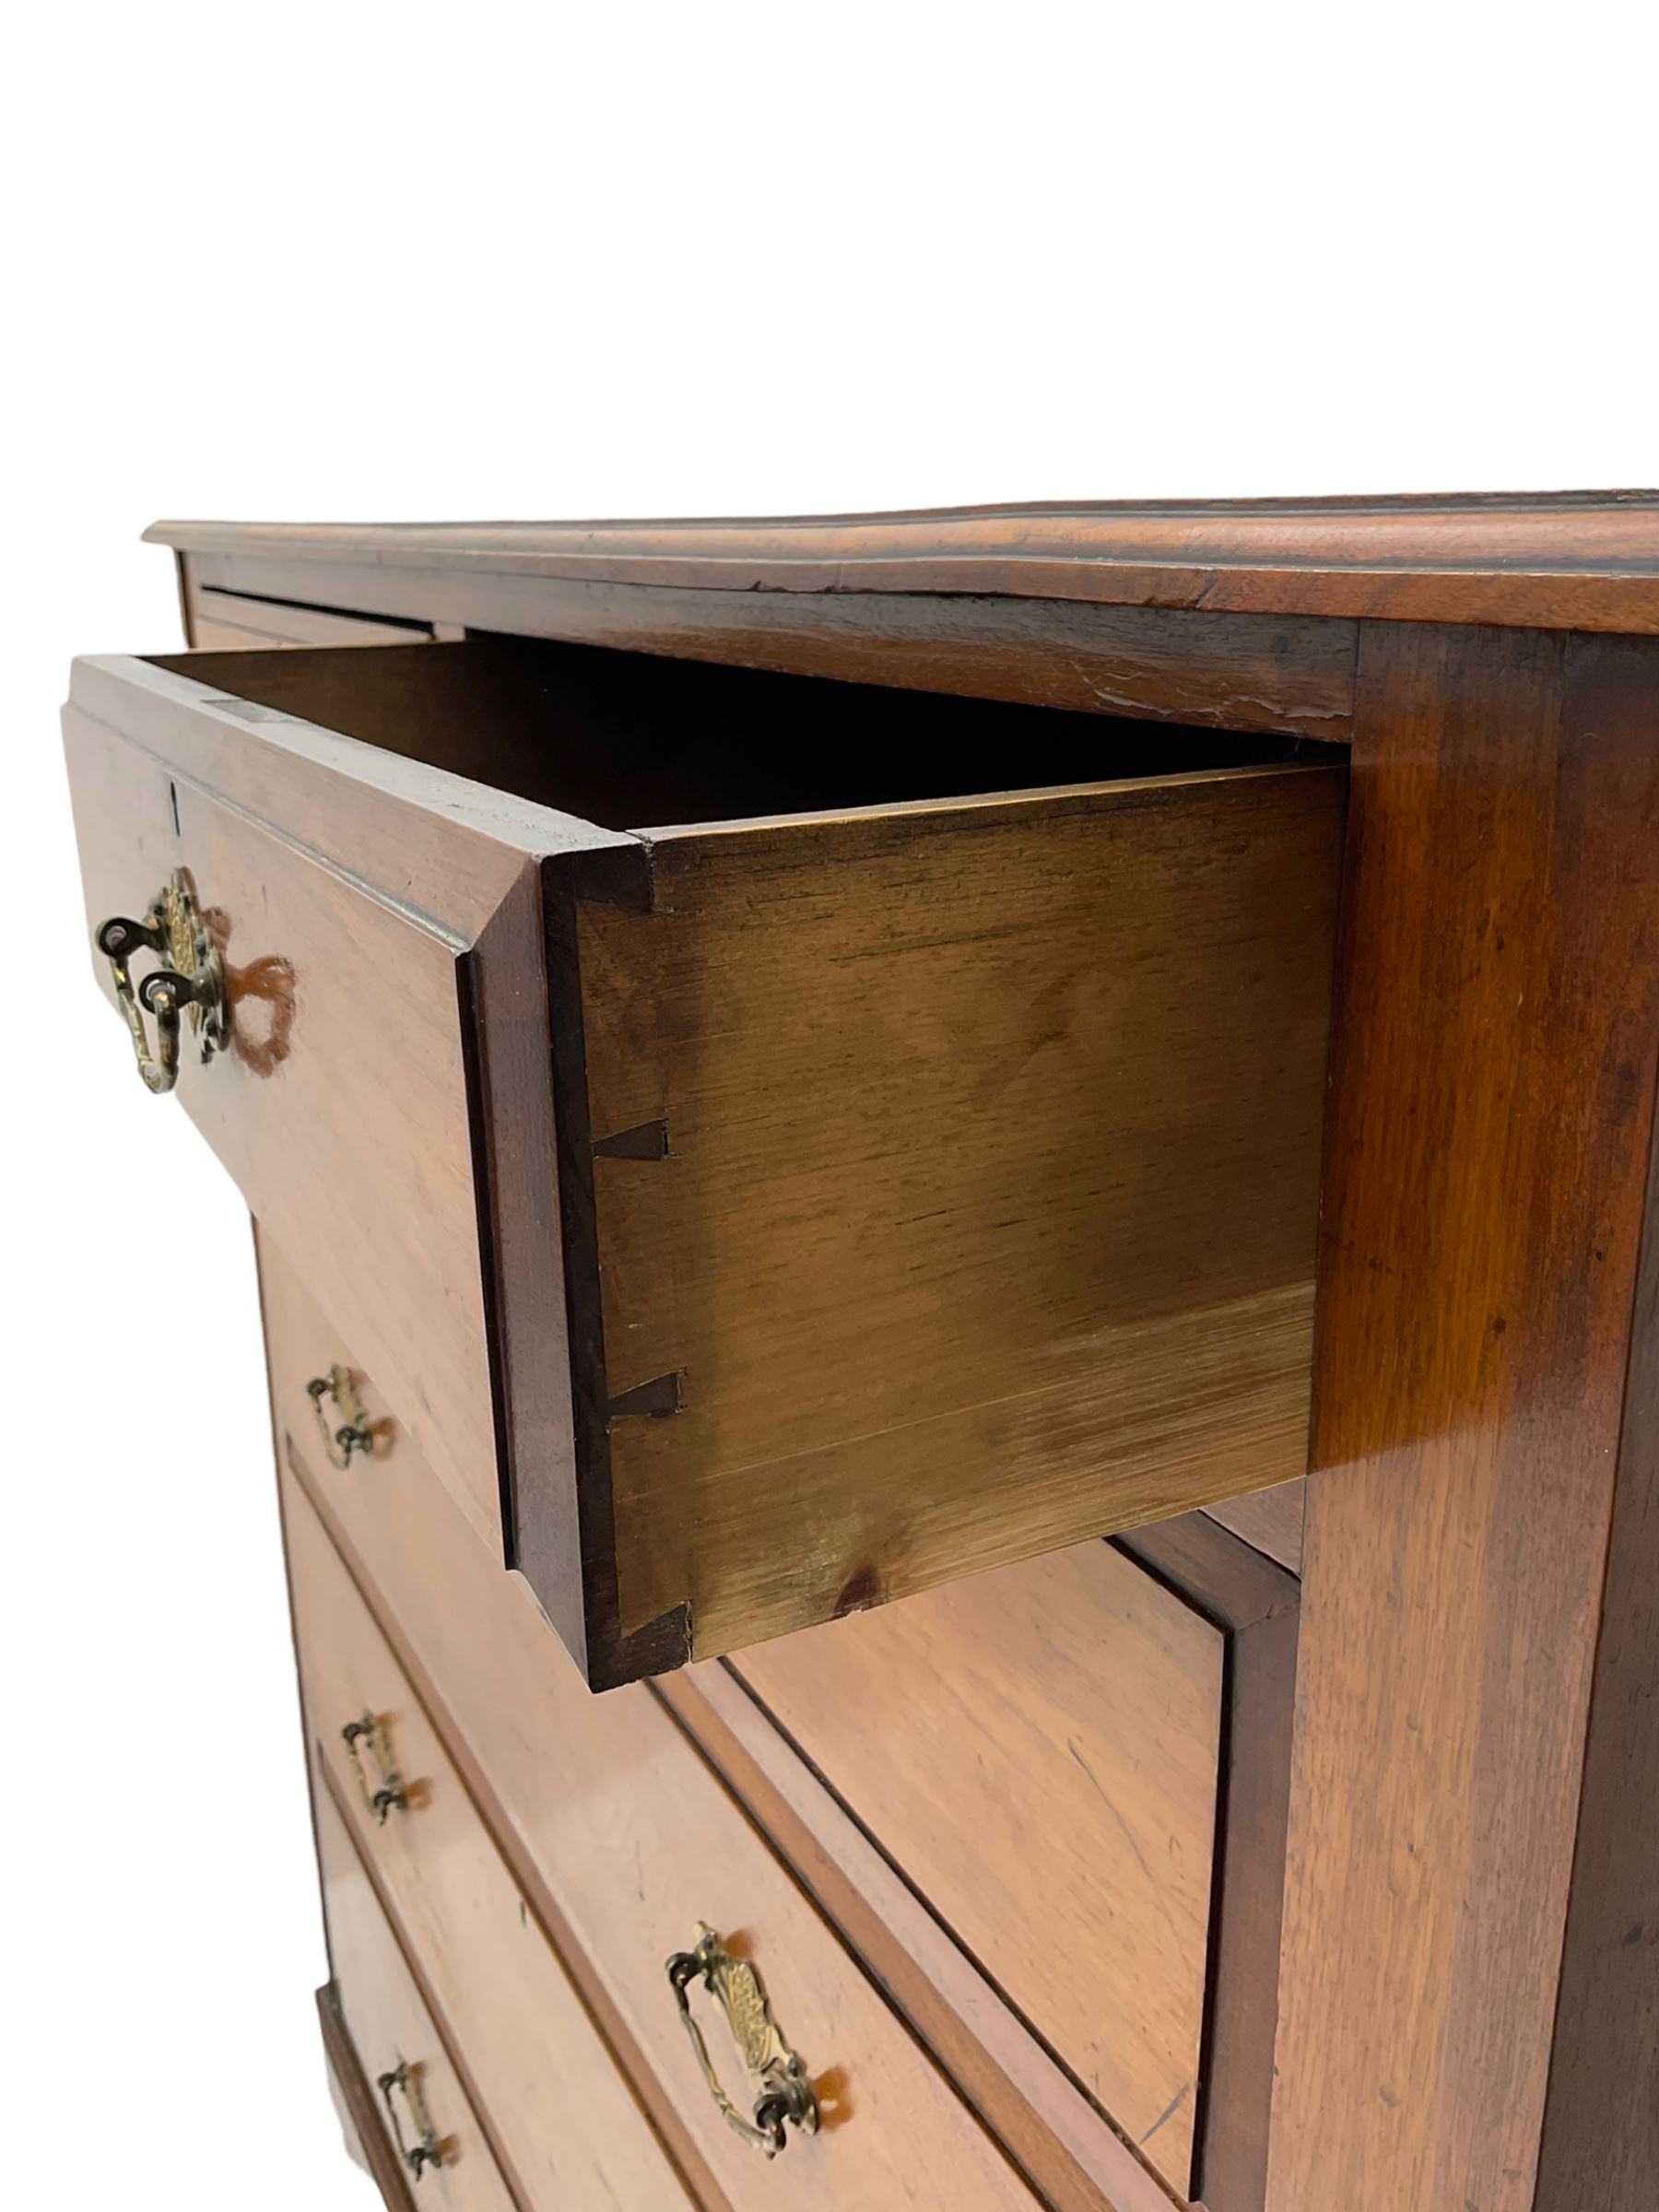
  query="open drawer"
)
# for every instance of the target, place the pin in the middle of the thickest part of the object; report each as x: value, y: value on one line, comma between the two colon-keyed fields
x: 859, y: 1183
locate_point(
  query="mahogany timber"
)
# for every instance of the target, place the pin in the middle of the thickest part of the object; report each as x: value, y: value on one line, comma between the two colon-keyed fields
x: 1255, y: 1605
x: 390, y: 2026
x: 620, y: 1838
x: 1487, y: 1165
x: 1588, y: 559
x: 1601, y: 2115
x: 224, y: 622
x: 1067, y: 1711
x: 1273, y: 675
x: 382, y: 929
x: 1073, y: 2156
x: 936, y: 1179
x: 565, y: 2125
x: 1270, y: 1520
x: 359, y: 2106
x: 982, y: 1217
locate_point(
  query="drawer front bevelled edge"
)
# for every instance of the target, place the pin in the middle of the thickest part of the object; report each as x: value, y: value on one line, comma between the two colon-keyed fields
x: 382, y: 1095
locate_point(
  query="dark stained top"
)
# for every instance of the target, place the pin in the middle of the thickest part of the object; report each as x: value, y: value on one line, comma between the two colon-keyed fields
x: 1553, y: 560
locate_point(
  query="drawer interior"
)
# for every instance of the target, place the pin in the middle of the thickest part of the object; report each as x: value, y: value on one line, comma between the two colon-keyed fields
x: 636, y: 741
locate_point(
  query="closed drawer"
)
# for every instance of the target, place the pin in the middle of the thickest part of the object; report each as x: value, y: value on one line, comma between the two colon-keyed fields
x: 1037, y: 1749
x: 935, y: 1178
x: 639, y: 1845
x: 223, y: 622
x: 421, y: 2106
x: 1067, y: 1780
x: 565, y: 2121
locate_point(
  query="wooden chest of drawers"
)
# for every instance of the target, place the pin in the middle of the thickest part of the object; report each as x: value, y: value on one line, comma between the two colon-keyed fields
x: 786, y: 1080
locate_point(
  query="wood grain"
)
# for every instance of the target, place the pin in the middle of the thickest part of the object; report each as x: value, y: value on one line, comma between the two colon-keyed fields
x: 1076, y: 2159
x: 342, y: 1111
x: 1254, y: 1604
x: 390, y: 2026
x: 1585, y: 558
x: 564, y: 2122
x: 1038, y: 1750
x: 403, y: 1142
x: 219, y: 621
x: 1243, y: 671
x: 1270, y: 1520
x: 987, y: 1217
x: 1600, y: 2117
x: 355, y: 2102
x: 1267, y: 673
x: 1492, y: 1097
x: 618, y: 1838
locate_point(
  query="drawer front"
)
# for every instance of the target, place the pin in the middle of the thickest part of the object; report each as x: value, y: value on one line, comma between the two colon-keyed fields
x: 421, y: 2105
x: 1038, y: 1751
x: 566, y: 2122
x: 621, y: 1838
x: 222, y: 621
x: 753, y: 1220
x: 363, y: 937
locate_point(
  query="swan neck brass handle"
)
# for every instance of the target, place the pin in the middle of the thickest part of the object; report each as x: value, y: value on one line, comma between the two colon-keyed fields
x: 354, y: 1432
x: 191, y: 981
x: 369, y: 1750
x: 784, y: 2094
x: 422, y: 2148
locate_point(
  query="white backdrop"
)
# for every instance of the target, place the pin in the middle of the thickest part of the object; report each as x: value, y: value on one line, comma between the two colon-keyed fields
x: 371, y: 262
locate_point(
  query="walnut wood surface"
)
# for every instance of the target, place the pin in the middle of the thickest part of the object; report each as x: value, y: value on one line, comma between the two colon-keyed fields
x: 390, y: 2026
x: 1600, y: 2117
x: 356, y: 2105
x: 1254, y: 1604
x: 1100, y: 1135
x: 230, y: 622
x: 1586, y: 558
x: 620, y: 1838
x: 1074, y: 2157
x: 1269, y: 673
x: 987, y: 1211
x: 1270, y: 1520
x: 1038, y: 1750
x: 1493, y: 1083
x: 389, y: 916
x: 565, y: 2123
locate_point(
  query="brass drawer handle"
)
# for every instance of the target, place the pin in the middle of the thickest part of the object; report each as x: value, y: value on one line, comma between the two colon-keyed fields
x: 193, y: 979
x: 354, y: 1432
x: 368, y: 1744
x: 785, y: 2092
x: 424, y: 2149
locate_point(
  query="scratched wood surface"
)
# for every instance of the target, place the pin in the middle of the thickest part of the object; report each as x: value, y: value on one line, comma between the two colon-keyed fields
x: 1586, y: 558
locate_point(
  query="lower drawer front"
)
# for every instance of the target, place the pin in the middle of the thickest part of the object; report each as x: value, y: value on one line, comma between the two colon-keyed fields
x: 426, y: 2116
x: 564, y: 2119
x: 1037, y: 1749
x: 625, y: 1842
